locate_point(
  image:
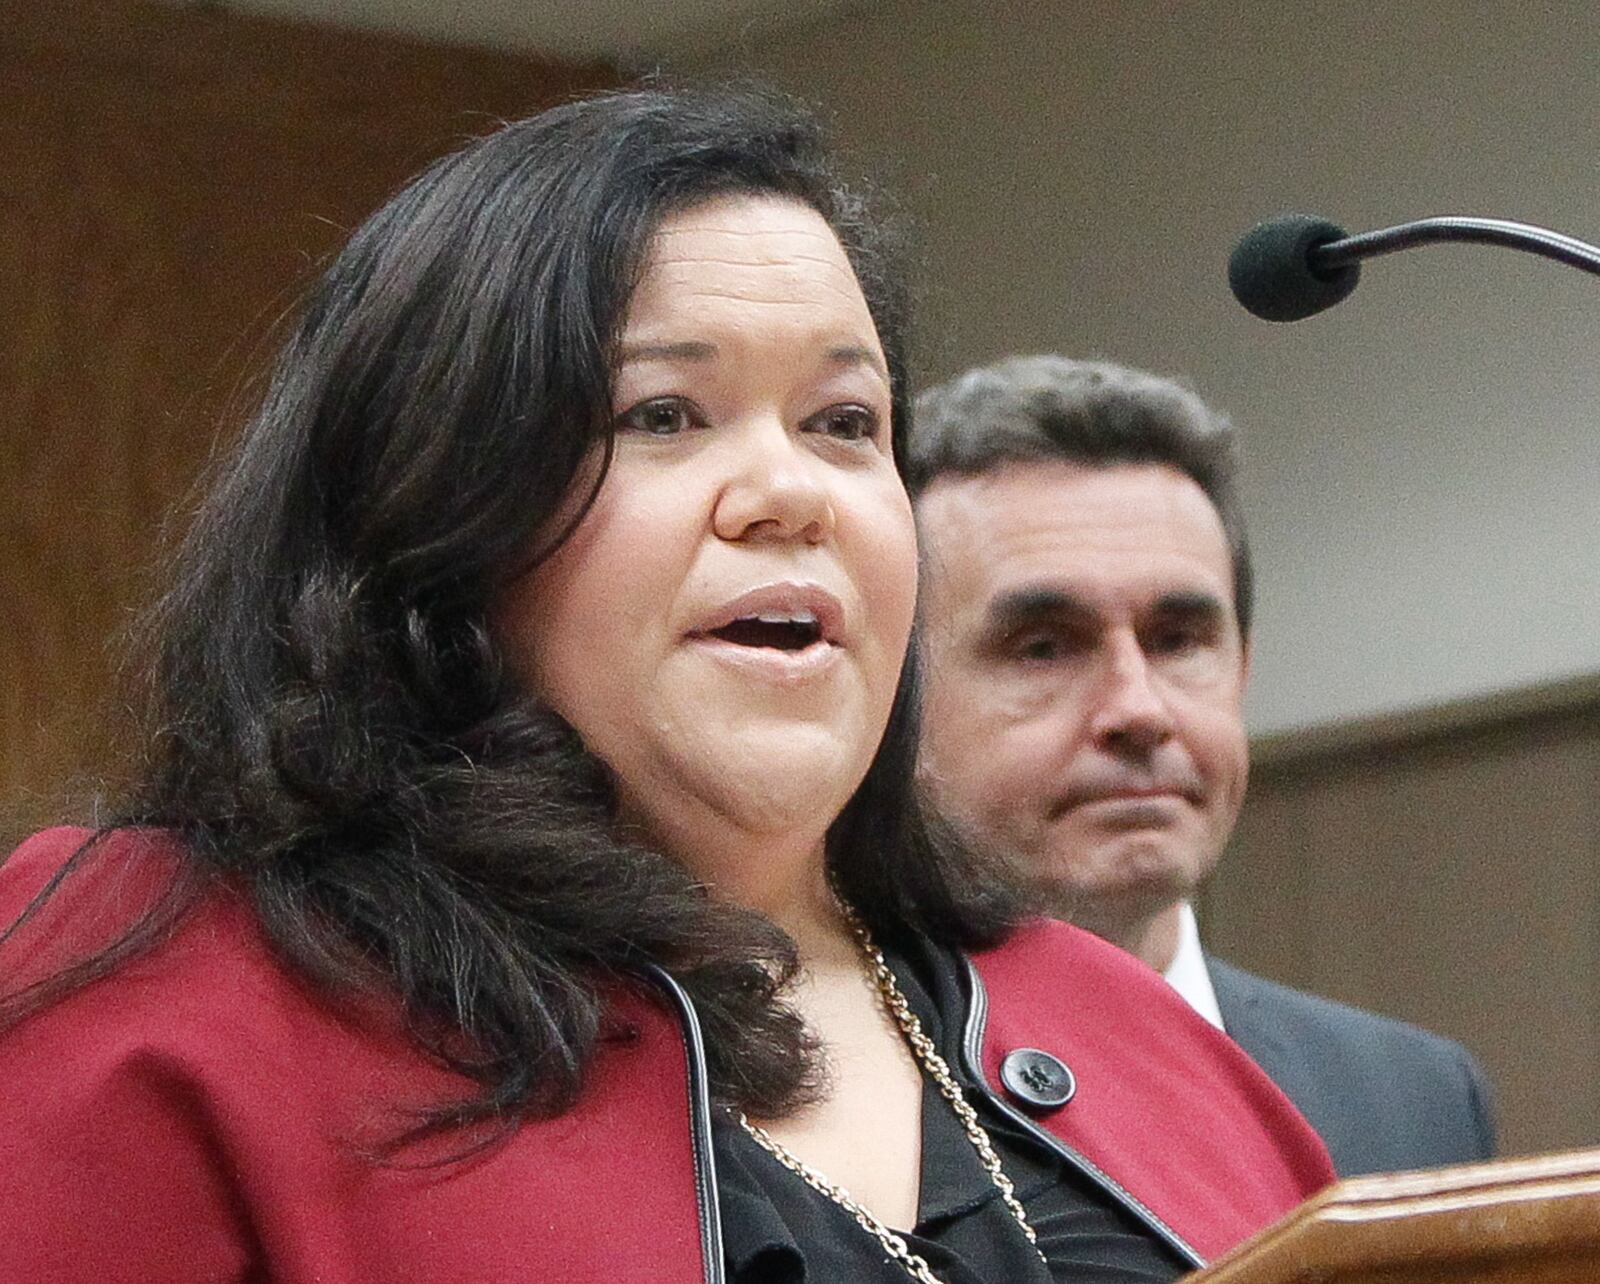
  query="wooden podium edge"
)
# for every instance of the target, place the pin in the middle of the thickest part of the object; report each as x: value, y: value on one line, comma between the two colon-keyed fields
x: 1442, y: 1221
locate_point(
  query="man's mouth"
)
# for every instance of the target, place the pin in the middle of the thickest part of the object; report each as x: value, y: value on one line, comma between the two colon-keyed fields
x: 1131, y: 794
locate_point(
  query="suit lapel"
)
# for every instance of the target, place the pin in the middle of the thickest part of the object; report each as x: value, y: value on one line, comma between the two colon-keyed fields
x: 1248, y: 1024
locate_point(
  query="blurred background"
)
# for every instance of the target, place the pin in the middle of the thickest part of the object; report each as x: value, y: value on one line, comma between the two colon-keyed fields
x: 1422, y: 834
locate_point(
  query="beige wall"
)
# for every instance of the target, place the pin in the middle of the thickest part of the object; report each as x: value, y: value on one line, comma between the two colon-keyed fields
x: 172, y: 176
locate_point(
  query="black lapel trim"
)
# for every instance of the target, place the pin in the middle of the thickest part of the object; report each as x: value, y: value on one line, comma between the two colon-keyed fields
x: 705, y: 1163
x: 972, y: 1057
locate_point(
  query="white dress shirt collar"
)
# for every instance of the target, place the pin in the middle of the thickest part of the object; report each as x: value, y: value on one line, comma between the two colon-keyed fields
x: 1187, y: 972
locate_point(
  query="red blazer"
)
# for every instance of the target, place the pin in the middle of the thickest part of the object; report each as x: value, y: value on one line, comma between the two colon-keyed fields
x: 200, y: 1114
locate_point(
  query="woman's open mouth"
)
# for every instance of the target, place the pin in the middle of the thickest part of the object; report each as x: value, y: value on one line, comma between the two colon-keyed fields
x: 782, y: 631
x: 777, y: 630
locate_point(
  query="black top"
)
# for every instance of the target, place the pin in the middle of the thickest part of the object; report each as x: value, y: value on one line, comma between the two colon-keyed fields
x: 778, y: 1230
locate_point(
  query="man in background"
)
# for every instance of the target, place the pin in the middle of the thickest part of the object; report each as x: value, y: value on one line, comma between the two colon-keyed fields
x: 1086, y: 603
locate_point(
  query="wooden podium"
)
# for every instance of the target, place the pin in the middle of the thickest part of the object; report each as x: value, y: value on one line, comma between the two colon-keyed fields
x: 1517, y: 1221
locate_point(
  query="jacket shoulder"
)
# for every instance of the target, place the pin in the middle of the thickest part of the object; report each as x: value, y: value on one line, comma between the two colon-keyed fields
x: 203, y: 1112
x: 139, y: 1103
x: 51, y: 855
x: 68, y: 893
x: 206, y: 1002
x: 1314, y: 1017
x: 1385, y: 1094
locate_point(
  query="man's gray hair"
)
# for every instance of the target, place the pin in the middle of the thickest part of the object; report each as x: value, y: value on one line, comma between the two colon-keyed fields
x: 1096, y: 413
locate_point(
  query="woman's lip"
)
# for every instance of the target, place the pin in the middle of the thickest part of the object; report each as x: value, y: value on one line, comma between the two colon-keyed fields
x: 784, y: 598
x: 769, y: 663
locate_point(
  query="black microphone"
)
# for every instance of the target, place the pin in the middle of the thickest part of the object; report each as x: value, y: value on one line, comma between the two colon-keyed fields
x: 1296, y: 265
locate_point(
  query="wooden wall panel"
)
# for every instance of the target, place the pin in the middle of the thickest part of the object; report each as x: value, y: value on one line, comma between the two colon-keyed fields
x: 1447, y: 873
x: 172, y: 178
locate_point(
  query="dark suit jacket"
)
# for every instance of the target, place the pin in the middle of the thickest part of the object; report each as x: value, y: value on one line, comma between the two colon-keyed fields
x: 1385, y: 1096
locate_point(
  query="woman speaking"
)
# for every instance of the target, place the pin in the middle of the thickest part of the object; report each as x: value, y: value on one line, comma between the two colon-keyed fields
x: 526, y: 880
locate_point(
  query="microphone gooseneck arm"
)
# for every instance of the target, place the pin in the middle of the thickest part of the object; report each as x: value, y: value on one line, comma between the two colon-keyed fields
x: 1329, y: 256
x: 1296, y: 265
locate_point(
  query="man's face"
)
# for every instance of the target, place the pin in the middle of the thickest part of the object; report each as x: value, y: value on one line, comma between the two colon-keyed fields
x: 1085, y: 678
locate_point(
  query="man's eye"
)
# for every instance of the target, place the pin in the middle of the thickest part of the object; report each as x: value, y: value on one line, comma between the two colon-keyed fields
x: 659, y: 417
x: 1036, y: 647
x: 847, y: 423
x: 1176, y: 641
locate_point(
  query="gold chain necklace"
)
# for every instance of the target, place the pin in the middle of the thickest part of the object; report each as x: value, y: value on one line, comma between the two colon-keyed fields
x: 938, y: 1070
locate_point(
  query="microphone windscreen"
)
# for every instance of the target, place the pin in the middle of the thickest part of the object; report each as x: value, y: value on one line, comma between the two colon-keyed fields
x: 1270, y: 270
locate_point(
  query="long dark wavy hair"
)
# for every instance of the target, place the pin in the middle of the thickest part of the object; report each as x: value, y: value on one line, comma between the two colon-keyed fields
x: 333, y: 730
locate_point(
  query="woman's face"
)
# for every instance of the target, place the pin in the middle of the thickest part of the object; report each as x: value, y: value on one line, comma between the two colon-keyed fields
x: 726, y: 626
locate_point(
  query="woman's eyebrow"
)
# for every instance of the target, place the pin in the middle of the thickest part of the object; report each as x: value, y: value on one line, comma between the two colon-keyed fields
x: 688, y: 350
x: 844, y: 354
x: 858, y: 354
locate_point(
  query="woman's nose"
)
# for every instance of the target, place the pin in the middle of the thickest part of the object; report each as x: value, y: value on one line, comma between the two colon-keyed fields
x: 776, y: 489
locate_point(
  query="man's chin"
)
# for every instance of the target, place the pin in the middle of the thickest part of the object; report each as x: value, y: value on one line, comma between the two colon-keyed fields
x: 1138, y: 884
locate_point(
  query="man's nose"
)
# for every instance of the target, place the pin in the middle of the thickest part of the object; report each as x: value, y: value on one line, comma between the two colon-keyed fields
x: 776, y: 489
x: 1132, y: 714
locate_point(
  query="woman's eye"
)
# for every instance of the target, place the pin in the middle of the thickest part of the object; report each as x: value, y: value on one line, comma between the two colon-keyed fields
x: 847, y: 423
x: 659, y: 417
